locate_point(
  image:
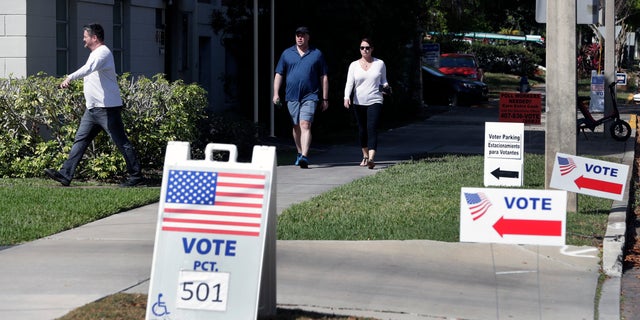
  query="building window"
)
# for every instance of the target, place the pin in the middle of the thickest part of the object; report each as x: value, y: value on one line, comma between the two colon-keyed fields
x: 62, y: 37
x: 117, y: 48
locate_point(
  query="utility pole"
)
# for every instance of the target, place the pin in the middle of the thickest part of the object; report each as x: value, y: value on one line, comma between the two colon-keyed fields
x: 609, y: 56
x: 560, y: 133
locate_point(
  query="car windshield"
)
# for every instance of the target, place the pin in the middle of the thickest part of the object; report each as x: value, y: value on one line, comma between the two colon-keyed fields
x: 457, y: 62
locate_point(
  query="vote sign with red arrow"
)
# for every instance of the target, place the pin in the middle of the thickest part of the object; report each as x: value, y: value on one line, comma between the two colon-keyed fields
x: 589, y: 176
x: 517, y: 216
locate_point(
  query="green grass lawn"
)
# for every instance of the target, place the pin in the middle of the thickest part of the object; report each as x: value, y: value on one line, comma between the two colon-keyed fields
x: 420, y: 200
x: 36, y: 208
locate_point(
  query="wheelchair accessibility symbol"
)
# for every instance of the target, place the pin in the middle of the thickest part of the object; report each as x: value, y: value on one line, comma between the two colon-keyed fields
x: 159, y: 308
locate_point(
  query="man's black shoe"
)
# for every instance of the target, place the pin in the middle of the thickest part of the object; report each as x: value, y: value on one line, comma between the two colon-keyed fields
x: 57, y: 176
x: 133, y: 182
x: 303, y: 162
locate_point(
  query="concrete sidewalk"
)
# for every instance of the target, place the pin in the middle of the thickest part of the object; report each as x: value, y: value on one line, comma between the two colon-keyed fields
x: 420, y: 279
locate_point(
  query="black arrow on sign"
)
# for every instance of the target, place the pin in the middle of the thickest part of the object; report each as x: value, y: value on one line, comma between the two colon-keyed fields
x: 504, y: 174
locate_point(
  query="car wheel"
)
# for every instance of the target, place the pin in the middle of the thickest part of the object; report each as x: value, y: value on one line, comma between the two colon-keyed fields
x: 454, y: 100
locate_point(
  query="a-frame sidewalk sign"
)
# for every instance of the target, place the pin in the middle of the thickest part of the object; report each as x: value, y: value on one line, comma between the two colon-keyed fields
x: 214, y: 252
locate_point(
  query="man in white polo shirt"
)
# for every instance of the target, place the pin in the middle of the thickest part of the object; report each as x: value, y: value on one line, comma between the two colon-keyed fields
x: 104, y: 107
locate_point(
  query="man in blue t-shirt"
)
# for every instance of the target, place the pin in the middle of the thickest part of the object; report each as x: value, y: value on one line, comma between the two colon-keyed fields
x: 305, y: 71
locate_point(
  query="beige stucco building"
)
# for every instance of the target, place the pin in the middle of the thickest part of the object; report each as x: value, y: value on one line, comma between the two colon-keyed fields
x: 147, y: 37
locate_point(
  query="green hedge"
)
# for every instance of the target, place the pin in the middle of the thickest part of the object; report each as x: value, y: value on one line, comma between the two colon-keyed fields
x: 510, y: 59
x: 39, y: 123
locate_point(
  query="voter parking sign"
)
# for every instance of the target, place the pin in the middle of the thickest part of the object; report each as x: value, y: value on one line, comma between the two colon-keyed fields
x: 503, y: 154
x: 210, y: 237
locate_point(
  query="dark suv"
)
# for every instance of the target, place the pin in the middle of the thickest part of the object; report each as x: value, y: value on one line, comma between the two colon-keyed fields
x: 444, y: 90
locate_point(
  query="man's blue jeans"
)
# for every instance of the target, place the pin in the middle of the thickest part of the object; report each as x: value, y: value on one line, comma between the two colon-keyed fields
x: 93, y: 121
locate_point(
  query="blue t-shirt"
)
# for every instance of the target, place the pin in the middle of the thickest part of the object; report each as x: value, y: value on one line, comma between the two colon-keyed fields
x: 302, y: 73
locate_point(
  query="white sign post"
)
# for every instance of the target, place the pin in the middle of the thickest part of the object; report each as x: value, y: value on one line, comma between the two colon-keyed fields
x: 211, y: 232
x: 503, y: 154
x: 588, y: 176
x: 516, y: 216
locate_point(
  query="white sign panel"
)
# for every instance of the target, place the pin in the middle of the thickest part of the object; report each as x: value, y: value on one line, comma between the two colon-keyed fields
x: 621, y: 79
x: 596, y: 104
x: 431, y: 54
x: 516, y: 216
x: 588, y: 176
x: 503, y: 153
x: 203, y: 290
x: 586, y: 11
x: 210, y: 236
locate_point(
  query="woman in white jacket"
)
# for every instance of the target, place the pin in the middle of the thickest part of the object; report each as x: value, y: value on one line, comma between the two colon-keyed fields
x: 366, y: 84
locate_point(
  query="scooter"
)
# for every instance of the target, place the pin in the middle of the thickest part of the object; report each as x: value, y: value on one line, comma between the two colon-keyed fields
x: 620, y: 130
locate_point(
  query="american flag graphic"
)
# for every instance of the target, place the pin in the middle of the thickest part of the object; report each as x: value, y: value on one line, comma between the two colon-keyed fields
x: 478, y: 204
x: 214, y: 202
x: 566, y: 165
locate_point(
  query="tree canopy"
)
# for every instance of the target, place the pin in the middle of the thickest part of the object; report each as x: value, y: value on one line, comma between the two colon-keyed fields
x: 481, y: 16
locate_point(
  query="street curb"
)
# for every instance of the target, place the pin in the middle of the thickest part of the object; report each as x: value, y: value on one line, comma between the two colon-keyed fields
x: 612, y: 255
x: 609, y: 306
x: 614, y: 239
x: 613, y: 246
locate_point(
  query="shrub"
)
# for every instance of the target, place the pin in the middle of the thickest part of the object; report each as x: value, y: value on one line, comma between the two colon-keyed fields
x: 159, y: 112
x: 511, y: 59
x: 35, y: 123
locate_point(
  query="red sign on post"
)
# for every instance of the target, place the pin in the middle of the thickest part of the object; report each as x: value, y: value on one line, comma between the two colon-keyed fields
x: 520, y: 107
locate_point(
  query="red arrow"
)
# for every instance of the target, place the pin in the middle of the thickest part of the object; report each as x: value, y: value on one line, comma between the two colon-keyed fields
x: 528, y: 227
x: 598, y: 185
